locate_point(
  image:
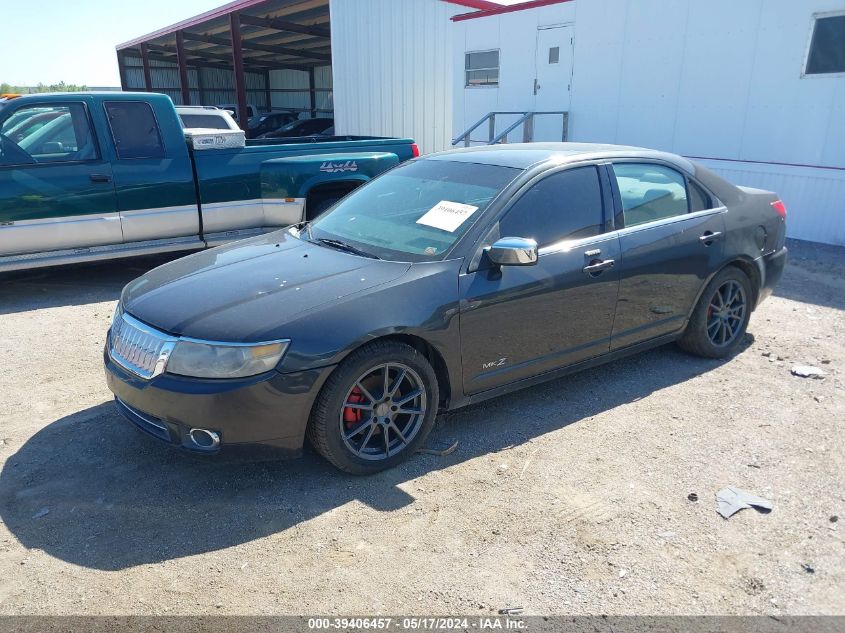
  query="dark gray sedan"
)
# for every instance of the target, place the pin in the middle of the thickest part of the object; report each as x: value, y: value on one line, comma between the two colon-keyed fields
x: 451, y: 279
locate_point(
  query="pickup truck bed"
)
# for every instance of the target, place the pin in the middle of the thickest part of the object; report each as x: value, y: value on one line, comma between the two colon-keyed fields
x: 99, y: 176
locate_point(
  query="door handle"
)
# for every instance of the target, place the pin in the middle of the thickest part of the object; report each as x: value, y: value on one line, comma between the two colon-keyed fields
x: 100, y: 178
x: 709, y: 237
x: 597, y: 267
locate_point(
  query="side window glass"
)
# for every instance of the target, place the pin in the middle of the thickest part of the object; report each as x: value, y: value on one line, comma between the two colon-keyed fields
x: 650, y: 192
x: 134, y: 129
x: 566, y: 205
x: 699, y: 200
x: 47, y: 134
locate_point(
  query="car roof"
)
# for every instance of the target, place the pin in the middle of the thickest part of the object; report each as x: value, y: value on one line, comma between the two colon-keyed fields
x: 105, y: 95
x: 526, y: 155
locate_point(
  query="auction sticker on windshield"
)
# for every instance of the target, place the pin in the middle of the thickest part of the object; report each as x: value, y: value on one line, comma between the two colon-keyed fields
x: 447, y: 216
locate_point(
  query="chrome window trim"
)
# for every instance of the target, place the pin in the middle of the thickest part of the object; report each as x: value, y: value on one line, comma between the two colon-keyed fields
x: 626, y: 230
x: 569, y: 245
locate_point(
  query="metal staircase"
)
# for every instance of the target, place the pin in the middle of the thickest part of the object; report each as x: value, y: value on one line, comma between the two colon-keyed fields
x: 526, y: 120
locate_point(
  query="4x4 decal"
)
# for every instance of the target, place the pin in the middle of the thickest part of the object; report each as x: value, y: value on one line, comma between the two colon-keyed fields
x: 329, y: 167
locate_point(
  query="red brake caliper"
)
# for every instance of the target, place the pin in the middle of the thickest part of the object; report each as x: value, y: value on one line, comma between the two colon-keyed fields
x: 351, y: 416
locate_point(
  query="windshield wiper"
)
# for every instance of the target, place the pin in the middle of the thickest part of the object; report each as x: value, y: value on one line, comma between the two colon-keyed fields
x: 343, y: 246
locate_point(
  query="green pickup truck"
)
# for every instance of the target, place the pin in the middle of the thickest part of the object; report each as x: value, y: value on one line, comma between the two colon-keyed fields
x: 105, y: 175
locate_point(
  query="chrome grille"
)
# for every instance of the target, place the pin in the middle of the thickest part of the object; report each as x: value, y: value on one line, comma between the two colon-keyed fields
x: 138, y: 347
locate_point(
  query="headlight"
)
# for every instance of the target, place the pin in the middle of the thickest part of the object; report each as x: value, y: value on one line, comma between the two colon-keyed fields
x: 224, y: 360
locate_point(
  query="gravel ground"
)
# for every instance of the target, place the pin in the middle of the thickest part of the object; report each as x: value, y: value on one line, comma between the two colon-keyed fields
x: 570, y: 497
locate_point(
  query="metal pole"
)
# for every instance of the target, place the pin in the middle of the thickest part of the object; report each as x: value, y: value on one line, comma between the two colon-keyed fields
x: 200, y: 86
x: 267, y: 94
x: 121, y: 69
x: 492, y: 130
x: 528, y: 129
x: 312, y: 85
x: 238, y: 67
x: 183, y: 68
x: 145, y: 58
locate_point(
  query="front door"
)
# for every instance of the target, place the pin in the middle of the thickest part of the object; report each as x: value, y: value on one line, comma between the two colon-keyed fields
x: 518, y: 322
x: 552, y: 86
x: 56, y: 191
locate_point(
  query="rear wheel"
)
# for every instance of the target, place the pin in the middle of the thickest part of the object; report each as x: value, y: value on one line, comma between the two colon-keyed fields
x: 721, y: 316
x: 376, y: 408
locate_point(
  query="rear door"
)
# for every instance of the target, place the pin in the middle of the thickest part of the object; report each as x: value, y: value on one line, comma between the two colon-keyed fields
x: 56, y: 190
x: 518, y: 322
x: 671, y: 242
x: 153, y: 174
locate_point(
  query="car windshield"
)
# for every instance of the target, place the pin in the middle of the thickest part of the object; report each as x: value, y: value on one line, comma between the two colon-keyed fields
x: 415, y: 212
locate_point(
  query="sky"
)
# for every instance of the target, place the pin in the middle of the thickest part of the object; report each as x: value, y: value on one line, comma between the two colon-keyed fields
x: 48, y: 41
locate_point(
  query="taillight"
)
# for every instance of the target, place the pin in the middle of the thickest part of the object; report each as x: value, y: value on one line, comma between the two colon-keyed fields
x: 415, y: 150
x: 780, y: 207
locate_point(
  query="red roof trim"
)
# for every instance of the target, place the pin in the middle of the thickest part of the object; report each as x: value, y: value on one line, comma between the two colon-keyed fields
x: 479, y: 5
x: 219, y: 12
x: 533, y: 4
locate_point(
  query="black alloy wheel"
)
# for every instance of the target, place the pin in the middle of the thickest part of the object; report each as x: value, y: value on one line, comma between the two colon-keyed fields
x: 377, y: 407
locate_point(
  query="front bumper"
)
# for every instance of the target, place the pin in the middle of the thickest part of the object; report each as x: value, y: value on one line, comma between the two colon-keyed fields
x: 270, y: 410
x: 773, y: 267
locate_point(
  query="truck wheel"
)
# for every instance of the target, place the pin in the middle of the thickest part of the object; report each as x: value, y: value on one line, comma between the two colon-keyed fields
x: 376, y: 409
x: 720, y: 317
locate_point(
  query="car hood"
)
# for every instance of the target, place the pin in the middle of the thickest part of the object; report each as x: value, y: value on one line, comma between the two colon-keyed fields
x: 244, y: 291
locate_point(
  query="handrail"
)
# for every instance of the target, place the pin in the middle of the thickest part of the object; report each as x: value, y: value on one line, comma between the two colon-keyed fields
x: 504, y: 135
x: 526, y: 120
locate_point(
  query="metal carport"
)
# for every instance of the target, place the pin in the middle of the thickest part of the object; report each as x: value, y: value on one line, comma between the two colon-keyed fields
x: 271, y: 53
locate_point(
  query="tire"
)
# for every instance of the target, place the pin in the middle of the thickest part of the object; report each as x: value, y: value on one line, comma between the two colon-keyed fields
x: 720, y: 317
x: 352, y: 425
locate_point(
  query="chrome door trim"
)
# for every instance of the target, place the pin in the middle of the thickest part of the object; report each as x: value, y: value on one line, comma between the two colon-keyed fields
x: 98, y: 253
x: 161, y: 222
x: 67, y: 232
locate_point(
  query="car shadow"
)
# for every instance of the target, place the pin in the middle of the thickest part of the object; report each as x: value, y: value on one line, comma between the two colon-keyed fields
x: 91, y: 490
x: 79, y: 284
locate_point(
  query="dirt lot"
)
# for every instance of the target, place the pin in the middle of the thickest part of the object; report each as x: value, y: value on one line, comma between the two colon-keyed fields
x: 571, y: 497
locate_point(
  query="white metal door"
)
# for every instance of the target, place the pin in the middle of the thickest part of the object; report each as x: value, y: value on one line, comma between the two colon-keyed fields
x: 553, y: 77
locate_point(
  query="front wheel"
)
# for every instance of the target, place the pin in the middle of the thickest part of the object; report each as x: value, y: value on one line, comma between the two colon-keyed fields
x: 376, y: 409
x: 721, y: 316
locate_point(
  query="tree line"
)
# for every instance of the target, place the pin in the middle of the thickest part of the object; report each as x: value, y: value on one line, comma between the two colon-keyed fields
x: 59, y: 87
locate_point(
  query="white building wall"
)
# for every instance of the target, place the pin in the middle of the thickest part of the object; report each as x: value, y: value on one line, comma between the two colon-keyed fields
x: 515, y: 35
x: 392, y: 69
x: 718, y: 80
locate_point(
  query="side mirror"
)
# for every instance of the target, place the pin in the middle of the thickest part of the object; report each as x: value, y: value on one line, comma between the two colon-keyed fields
x: 513, y: 251
x: 52, y: 147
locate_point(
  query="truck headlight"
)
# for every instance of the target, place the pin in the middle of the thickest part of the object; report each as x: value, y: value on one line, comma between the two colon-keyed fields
x: 224, y: 360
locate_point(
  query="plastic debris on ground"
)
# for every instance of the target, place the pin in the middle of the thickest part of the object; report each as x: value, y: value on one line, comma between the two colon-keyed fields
x: 731, y: 500
x: 808, y: 371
